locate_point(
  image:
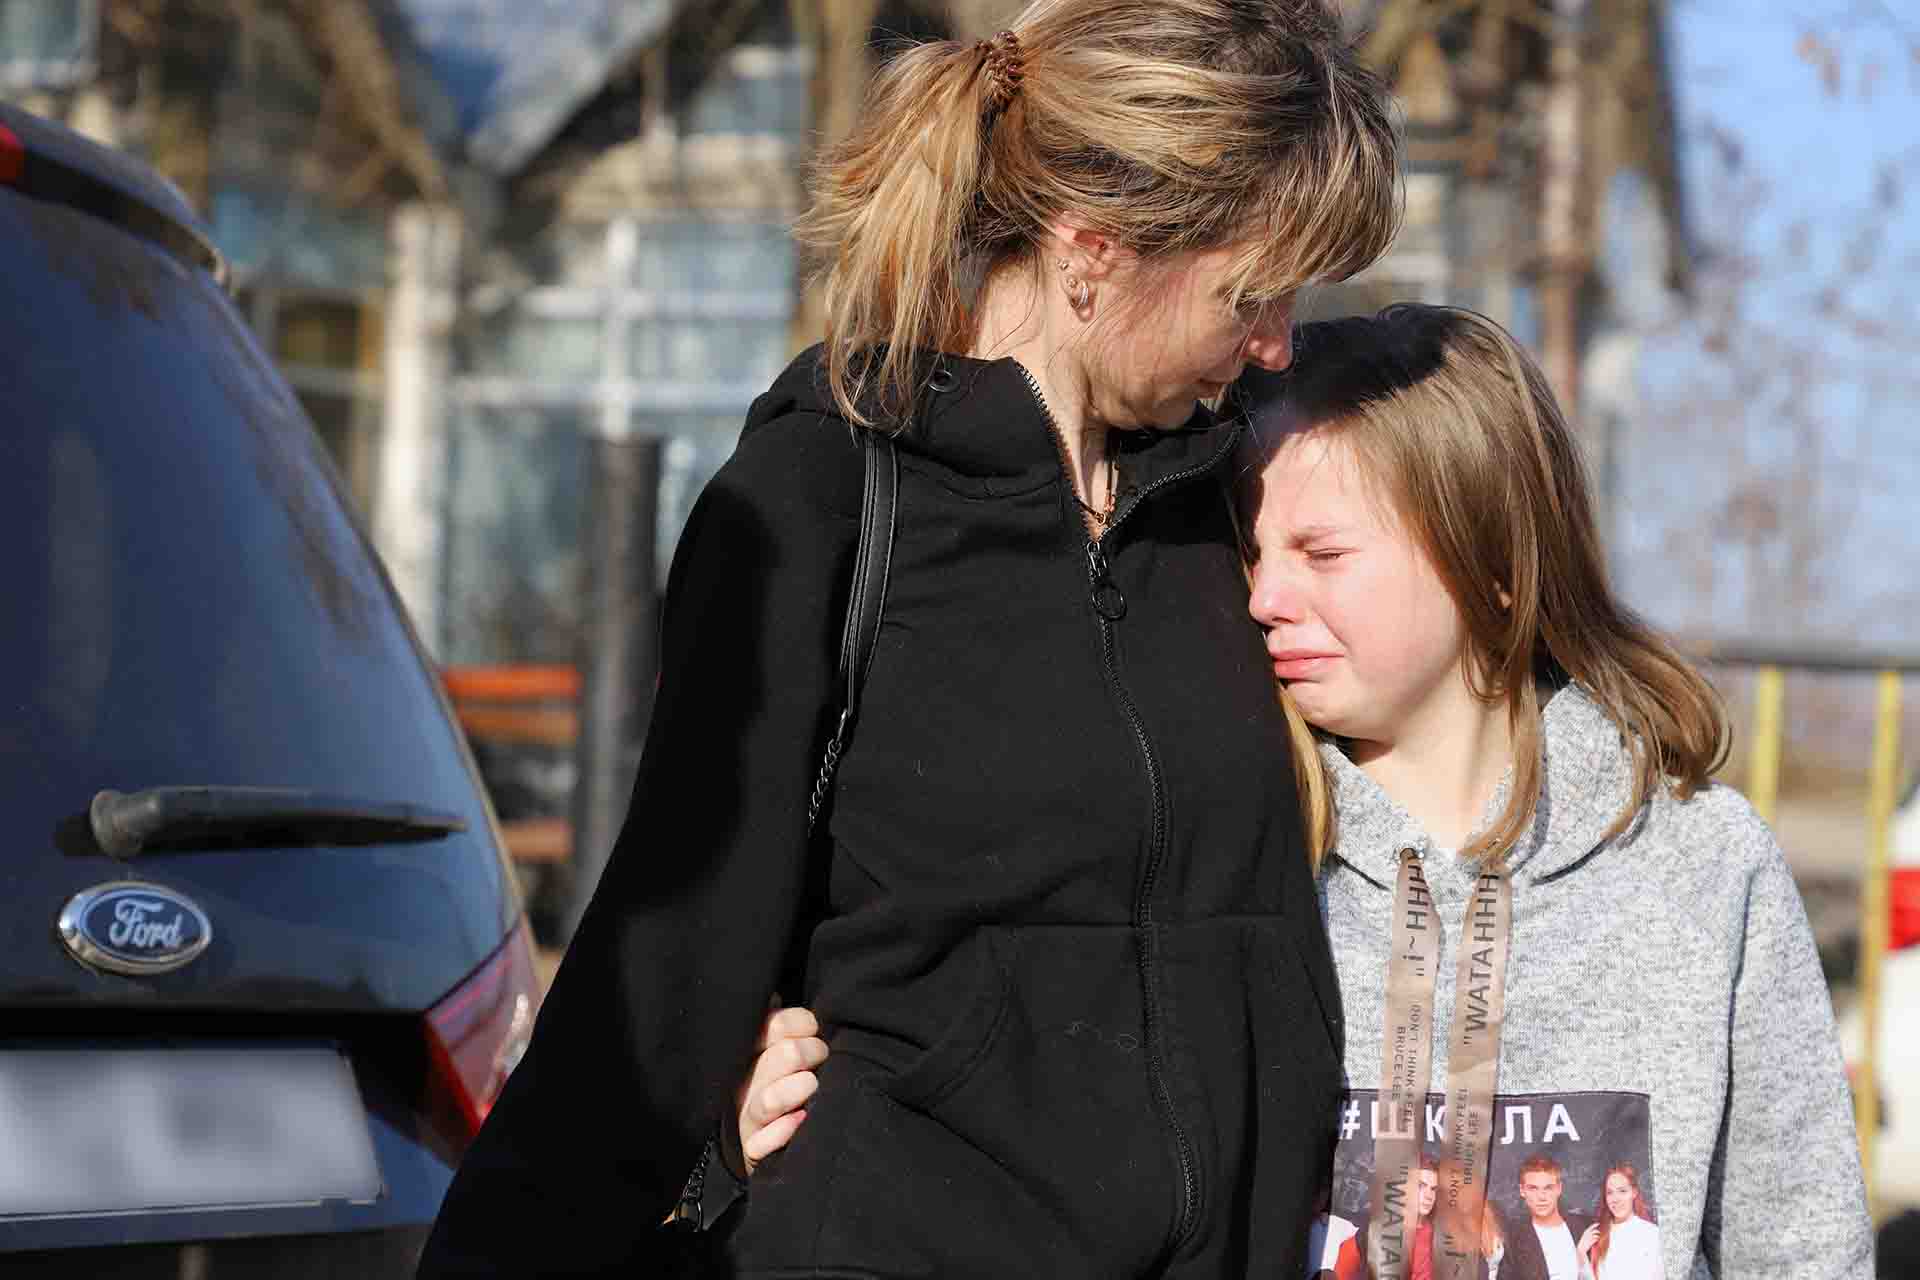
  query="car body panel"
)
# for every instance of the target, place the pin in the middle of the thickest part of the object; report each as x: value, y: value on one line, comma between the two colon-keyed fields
x: 194, y: 606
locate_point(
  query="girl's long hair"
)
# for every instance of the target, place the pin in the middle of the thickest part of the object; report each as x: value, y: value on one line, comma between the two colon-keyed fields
x: 1166, y: 125
x: 1604, y: 1216
x: 1459, y: 431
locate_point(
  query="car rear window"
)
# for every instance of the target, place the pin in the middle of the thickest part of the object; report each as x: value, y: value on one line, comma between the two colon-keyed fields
x: 187, y: 601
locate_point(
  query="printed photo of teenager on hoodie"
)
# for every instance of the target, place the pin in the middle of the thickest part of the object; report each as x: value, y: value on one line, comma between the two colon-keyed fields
x: 1352, y: 1261
x: 1327, y: 1232
x: 1548, y: 1245
x: 1624, y: 1242
x: 1337, y: 1242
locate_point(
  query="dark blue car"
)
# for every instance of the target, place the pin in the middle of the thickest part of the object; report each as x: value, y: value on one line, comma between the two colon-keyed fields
x: 262, y: 964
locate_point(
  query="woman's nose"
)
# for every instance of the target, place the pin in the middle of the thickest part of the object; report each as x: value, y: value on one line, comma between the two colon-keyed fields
x: 1270, y: 345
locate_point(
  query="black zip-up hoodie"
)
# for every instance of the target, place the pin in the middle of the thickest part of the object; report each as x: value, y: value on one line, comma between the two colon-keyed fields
x: 1062, y: 931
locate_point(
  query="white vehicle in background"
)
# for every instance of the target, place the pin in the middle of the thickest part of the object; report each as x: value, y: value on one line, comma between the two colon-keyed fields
x: 1897, y: 1154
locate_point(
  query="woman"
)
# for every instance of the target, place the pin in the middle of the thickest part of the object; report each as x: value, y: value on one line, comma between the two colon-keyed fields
x: 1623, y: 1243
x: 1063, y: 894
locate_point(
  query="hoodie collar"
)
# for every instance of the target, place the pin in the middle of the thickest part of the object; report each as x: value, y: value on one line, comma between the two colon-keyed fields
x: 984, y: 420
x: 1588, y: 780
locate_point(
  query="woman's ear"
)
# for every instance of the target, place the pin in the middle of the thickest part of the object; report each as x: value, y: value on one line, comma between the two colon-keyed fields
x: 1089, y: 254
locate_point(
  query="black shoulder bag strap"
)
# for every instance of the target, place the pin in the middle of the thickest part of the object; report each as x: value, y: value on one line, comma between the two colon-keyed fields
x: 701, y: 1204
x: 866, y: 600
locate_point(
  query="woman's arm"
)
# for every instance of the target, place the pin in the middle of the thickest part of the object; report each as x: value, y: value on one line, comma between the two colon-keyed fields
x: 1785, y: 1195
x: 651, y: 1019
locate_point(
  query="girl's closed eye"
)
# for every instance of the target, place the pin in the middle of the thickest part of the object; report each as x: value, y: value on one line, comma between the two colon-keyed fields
x: 1325, y: 555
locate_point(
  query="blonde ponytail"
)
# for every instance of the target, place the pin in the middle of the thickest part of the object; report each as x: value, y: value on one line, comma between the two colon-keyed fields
x: 893, y: 203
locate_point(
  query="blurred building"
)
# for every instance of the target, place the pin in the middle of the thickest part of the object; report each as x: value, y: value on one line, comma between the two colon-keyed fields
x: 472, y: 232
x: 478, y: 233
x: 298, y: 149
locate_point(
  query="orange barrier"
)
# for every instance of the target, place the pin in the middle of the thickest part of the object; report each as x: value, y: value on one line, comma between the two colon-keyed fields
x: 512, y: 684
x: 547, y: 726
x: 521, y: 706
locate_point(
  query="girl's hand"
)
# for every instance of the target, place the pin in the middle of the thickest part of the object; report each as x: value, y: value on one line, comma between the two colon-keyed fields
x: 772, y: 1100
x: 1589, y: 1238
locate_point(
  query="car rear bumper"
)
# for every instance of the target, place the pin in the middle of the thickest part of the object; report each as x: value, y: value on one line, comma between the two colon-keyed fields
x: 415, y: 1160
x: 357, y: 1255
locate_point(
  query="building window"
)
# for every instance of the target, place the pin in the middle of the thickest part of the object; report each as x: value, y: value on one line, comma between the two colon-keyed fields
x: 516, y: 498
x: 671, y: 331
x: 757, y: 90
x: 47, y: 44
x: 548, y: 348
x: 328, y: 345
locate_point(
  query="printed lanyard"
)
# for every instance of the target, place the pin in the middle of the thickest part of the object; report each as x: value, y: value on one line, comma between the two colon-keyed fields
x: 1473, y: 1066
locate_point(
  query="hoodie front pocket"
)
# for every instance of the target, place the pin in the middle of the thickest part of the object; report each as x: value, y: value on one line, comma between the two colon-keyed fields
x: 948, y: 1062
x: 1045, y: 1083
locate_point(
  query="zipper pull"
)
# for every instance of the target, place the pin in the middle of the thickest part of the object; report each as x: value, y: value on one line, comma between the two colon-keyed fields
x: 1108, y: 600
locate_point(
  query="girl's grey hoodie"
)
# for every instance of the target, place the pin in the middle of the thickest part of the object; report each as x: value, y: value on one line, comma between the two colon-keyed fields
x: 1665, y: 1009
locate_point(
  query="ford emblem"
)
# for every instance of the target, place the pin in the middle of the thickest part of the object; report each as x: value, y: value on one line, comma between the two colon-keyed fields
x: 130, y: 927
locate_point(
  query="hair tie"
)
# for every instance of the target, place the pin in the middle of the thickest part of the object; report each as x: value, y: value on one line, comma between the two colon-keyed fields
x: 1005, y: 67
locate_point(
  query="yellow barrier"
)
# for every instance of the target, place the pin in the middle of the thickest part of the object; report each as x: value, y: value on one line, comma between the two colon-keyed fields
x: 1763, y: 790
x: 1763, y: 766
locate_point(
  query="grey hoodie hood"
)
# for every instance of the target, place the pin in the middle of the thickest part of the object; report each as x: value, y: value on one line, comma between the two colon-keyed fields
x: 1665, y: 1008
x: 1588, y: 781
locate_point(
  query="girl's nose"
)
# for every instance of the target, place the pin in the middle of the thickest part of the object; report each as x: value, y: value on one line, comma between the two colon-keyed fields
x: 1274, y: 599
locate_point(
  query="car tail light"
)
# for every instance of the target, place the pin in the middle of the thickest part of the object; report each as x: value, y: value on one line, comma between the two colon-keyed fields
x: 1903, y: 894
x: 477, y: 1034
x: 13, y: 156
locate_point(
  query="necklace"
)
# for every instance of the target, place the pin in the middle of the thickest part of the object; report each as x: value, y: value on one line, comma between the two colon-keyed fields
x: 1097, y: 520
x: 1101, y: 515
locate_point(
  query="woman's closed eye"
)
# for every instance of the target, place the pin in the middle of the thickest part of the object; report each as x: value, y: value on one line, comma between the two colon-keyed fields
x: 1250, y: 312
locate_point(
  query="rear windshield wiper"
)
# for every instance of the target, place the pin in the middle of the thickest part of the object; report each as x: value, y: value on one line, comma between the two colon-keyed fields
x: 128, y: 824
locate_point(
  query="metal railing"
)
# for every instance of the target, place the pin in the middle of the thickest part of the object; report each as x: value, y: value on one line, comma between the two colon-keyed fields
x: 1763, y: 791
